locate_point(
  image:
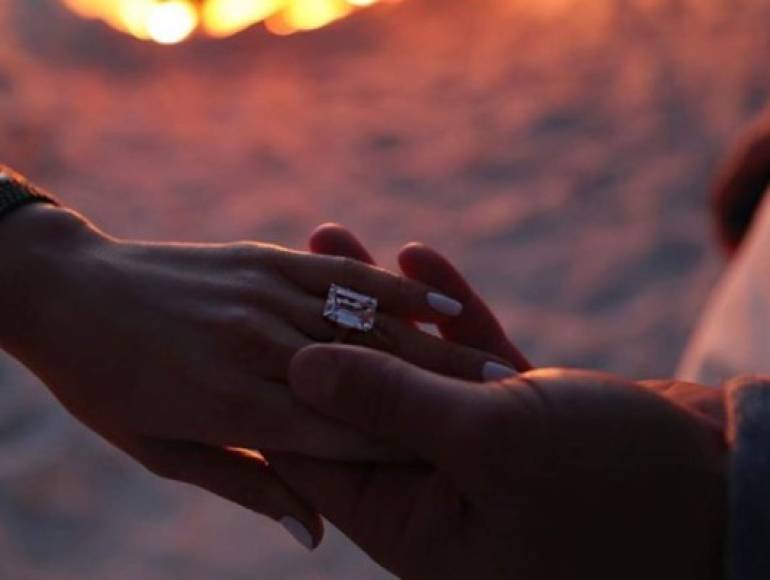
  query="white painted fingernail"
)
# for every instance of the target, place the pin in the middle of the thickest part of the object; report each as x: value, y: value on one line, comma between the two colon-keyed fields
x: 444, y: 304
x: 298, y: 531
x: 495, y: 371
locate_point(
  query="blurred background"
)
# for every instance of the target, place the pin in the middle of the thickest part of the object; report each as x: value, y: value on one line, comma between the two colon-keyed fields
x: 559, y: 150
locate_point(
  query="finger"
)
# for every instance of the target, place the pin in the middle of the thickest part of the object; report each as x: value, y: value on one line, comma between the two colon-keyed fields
x: 395, y: 294
x: 373, y: 505
x: 415, y: 346
x: 236, y: 475
x: 305, y: 313
x: 333, y: 489
x: 476, y: 326
x: 430, y: 352
x: 396, y: 336
x: 404, y: 340
x: 265, y: 415
x: 335, y: 240
x: 383, y: 396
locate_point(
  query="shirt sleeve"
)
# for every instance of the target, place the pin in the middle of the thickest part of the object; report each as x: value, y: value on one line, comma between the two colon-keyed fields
x: 748, y: 550
x: 733, y: 334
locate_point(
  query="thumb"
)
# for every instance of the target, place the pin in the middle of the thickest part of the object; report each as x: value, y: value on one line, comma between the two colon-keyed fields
x: 385, y: 397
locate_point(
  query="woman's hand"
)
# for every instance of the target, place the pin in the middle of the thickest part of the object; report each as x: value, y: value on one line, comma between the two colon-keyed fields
x: 178, y: 352
x: 552, y: 474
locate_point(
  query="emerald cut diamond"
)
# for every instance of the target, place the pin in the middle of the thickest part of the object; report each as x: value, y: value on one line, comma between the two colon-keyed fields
x: 350, y: 309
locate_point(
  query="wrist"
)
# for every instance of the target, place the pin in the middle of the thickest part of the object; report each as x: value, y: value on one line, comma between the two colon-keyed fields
x: 40, y: 245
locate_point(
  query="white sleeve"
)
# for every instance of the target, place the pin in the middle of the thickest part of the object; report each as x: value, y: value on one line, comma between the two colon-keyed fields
x: 733, y: 336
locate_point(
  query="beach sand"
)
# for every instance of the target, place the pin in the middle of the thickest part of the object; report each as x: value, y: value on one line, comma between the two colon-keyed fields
x: 560, y: 151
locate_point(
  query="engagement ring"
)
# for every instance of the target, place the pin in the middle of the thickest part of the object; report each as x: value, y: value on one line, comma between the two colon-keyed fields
x: 350, y: 309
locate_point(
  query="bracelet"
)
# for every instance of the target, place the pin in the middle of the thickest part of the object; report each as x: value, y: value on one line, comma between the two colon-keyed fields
x: 16, y: 192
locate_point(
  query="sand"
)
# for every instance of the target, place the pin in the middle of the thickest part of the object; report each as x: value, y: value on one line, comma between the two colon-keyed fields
x: 560, y: 151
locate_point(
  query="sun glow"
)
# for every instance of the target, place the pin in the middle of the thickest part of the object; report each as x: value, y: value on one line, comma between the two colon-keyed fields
x: 172, y: 21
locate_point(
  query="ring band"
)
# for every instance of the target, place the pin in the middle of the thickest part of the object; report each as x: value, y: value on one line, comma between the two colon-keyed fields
x: 350, y: 309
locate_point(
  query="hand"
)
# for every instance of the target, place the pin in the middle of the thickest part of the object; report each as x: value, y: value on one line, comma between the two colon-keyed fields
x: 554, y: 474
x: 176, y: 352
x: 476, y: 326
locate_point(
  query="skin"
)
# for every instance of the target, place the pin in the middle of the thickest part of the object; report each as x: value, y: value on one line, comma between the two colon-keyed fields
x: 178, y: 353
x: 475, y: 327
x: 552, y: 474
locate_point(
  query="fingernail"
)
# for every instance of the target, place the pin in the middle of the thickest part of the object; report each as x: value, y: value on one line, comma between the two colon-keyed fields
x: 444, y: 304
x: 297, y: 531
x: 495, y: 371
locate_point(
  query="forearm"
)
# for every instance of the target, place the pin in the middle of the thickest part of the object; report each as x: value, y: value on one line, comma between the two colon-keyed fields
x: 40, y: 245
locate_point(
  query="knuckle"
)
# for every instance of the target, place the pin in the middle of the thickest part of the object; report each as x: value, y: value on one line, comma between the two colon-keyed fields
x: 243, y: 252
x: 249, y: 278
x: 259, y: 288
x: 238, y: 321
x: 250, y: 254
x: 349, y: 270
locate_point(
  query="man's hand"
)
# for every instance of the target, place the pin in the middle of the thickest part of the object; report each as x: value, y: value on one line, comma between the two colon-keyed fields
x: 554, y: 474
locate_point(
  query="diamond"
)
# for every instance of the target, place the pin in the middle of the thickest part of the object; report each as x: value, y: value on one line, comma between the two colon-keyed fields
x: 350, y: 309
